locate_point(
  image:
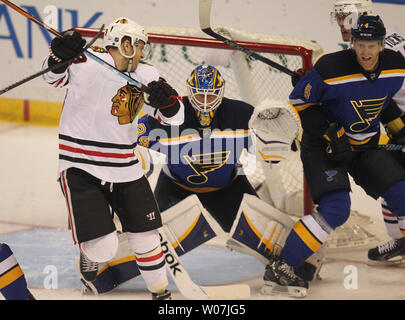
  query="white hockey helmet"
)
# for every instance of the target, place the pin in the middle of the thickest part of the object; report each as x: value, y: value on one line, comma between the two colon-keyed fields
x: 124, y: 27
x: 350, y: 6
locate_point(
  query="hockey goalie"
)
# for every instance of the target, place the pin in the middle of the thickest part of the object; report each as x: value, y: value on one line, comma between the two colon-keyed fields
x: 202, y: 190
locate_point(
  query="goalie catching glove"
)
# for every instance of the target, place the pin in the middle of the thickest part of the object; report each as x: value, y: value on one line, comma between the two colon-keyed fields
x: 275, y: 125
x: 338, y: 147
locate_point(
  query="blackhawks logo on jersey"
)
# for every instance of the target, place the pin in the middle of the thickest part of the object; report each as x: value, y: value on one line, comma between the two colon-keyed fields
x: 204, y: 163
x: 127, y: 103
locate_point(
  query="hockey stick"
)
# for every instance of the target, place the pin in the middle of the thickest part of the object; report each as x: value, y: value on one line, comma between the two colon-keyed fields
x: 205, y: 25
x: 392, y: 147
x: 51, y: 68
x: 187, y: 286
x: 87, y: 53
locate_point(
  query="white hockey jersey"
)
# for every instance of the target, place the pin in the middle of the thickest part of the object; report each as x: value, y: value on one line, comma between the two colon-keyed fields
x: 90, y: 134
x: 395, y: 42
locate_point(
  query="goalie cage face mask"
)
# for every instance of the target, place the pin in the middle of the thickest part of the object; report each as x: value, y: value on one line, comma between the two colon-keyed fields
x: 206, y: 90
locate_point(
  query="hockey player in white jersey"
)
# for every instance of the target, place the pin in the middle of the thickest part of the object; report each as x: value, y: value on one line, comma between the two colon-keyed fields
x: 98, y: 168
x: 346, y: 13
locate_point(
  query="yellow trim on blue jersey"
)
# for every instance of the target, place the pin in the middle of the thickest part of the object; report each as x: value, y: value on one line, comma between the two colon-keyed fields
x: 347, y: 78
x: 10, y: 276
x: 360, y: 76
x: 317, y: 59
x: 400, y: 72
x: 197, y: 190
x: 183, y: 139
x: 307, y: 237
x: 303, y: 106
x: 358, y: 143
x: 230, y: 132
x: 180, y: 139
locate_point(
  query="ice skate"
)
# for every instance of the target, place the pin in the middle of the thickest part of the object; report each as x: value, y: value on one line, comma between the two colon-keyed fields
x: 279, y: 278
x: 392, y: 251
x: 166, y: 295
x: 88, y: 268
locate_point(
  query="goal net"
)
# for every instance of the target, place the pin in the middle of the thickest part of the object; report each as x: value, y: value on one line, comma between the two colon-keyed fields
x: 176, y: 51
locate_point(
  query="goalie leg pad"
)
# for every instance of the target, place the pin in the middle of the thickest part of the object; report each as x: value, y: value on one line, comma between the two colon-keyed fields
x: 189, y: 225
x: 259, y: 229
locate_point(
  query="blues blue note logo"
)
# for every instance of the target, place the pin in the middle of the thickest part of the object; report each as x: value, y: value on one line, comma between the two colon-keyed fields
x: 205, y: 163
x: 367, y: 110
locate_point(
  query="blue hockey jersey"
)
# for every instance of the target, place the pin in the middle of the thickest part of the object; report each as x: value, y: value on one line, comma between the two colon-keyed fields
x: 345, y: 93
x: 201, y: 160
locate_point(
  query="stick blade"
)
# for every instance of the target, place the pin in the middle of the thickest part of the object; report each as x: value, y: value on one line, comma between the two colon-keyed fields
x: 228, y: 292
x: 205, y: 14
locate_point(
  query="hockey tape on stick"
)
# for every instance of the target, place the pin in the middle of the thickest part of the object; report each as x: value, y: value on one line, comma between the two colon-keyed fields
x: 186, y: 285
x: 87, y: 53
x: 205, y: 25
x: 392, y: 147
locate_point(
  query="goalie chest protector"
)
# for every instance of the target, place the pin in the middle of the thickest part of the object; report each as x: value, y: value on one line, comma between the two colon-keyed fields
x: 201, y: 160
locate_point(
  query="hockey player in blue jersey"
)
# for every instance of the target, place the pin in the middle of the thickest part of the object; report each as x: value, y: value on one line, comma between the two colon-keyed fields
x: 13, y: 285
x: 202, y: 191
x: 341, y: 102
x: 346, y: 12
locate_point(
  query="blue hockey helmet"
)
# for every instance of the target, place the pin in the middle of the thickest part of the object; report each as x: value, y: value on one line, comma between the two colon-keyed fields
x: 206, y: 88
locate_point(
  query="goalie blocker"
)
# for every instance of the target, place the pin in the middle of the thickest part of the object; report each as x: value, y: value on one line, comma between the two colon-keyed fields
x: 258, y: 230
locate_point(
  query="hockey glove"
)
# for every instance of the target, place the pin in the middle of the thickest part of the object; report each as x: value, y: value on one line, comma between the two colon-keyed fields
x: 396, y: 131
x: 66, y: 48
x: 298, y: 74
x: 338, y: 147
x: 163, y: 97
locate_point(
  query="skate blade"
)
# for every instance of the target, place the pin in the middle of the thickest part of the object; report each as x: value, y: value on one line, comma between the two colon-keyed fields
x: 391, y: 262
x: 271, y: 288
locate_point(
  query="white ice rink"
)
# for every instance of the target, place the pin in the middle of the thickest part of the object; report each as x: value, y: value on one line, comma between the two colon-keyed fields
x: 33, y: 223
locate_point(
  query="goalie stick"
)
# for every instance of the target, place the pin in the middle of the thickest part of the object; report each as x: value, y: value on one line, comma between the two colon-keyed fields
x: 187, y: 286
x: 54, y: 67
x: 205, y: 25
x: 132, y: 81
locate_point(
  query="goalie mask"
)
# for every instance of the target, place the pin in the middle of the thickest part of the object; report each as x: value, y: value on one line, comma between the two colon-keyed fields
x: 123, y: 27
x: 206, y: 90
